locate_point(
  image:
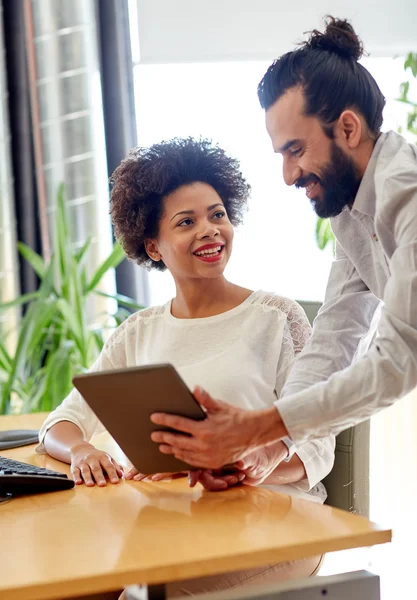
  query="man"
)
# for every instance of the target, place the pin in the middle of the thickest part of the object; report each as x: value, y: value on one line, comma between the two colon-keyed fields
x: 323, y: 114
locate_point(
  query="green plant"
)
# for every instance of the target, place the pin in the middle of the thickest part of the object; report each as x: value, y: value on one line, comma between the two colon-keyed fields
x: 54, y: 341
x: 410, y: 64
x: 324, y: 233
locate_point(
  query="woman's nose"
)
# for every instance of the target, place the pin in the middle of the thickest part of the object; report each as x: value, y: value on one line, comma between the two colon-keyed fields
x: 209, y: 231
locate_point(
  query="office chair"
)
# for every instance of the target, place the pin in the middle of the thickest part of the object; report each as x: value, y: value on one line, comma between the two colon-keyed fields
x: 347, y: 484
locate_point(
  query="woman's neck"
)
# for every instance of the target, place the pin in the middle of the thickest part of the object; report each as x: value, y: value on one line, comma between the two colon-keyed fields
x: 205, y: 298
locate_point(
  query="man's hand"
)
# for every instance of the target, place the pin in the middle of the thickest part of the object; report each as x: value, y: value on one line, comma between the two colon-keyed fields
x: 260, y: 464
x: 227, y: 435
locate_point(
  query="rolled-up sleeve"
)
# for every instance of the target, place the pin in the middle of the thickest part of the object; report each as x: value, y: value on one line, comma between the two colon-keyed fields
x: 388, y: 370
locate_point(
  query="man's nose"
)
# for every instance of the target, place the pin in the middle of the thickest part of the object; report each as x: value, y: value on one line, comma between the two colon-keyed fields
x: 291, y: 172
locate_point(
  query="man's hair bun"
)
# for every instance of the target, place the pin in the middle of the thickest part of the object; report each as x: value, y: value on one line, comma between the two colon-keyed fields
x: 339, y: 37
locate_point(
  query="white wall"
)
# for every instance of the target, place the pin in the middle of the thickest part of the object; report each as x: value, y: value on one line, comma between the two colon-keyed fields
x: 175, y: 31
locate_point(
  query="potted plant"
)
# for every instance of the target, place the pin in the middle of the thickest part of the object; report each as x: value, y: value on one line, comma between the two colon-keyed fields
x: 54, y: 340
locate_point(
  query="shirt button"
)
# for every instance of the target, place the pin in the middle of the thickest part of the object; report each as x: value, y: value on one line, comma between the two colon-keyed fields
x: 375, y: 237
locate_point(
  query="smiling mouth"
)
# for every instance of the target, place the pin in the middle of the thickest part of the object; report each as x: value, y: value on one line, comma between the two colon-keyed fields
x: 210, y: 254
x: 311, y: 189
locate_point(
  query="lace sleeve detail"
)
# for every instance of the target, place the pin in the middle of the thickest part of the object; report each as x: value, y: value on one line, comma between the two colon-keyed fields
x: 298, y: 325
x: 129, y: 327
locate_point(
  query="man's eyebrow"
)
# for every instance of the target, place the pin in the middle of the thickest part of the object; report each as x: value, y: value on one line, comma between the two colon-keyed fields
x: 288, y: 145
x: 192, y: 212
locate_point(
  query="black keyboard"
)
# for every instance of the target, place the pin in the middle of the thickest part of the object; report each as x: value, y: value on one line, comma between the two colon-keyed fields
x: 20, y: 478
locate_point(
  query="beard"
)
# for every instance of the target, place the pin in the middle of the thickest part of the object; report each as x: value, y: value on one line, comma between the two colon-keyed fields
x: 339, y: 182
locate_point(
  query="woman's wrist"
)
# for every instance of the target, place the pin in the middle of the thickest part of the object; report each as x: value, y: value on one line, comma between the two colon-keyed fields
x: 80, y: 445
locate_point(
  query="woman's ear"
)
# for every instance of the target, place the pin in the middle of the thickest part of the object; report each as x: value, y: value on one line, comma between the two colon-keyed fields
x: 152, y: 250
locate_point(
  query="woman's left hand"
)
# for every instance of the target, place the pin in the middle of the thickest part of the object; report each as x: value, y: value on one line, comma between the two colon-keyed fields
x: 136, y: 476
x: 260, y: 464
x: 215, y: 480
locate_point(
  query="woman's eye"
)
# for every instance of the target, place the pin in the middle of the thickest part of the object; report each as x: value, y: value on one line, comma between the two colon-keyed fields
x: 219, y: 214
x: 185, y: 222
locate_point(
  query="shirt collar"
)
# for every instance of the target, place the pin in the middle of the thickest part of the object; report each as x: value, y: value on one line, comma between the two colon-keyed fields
x: 366, y: 198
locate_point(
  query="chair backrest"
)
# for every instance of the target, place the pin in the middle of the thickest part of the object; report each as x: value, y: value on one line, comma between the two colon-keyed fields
x: 348, y: 483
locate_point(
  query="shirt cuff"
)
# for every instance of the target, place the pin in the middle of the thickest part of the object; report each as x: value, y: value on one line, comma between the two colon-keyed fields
x: 302, y: 417
x: 291, y: 448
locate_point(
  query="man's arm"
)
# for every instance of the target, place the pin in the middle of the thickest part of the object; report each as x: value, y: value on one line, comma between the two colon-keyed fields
x: 341, y: 323
x: 389, y: 368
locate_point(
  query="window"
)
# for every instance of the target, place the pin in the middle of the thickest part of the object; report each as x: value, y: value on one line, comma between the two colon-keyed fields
x: 275, y: 248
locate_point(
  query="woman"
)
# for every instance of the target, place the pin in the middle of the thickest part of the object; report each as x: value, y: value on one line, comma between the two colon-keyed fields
x: 174, y: 206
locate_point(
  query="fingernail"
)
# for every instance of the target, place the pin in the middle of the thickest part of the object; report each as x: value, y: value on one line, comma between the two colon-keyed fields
x: 241, y: 476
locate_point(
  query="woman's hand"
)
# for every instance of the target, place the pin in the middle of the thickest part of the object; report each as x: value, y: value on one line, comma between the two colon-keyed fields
x: 90, y: 465
x: 260, y: 464
x: 136, y: 476
x: 215, y: 480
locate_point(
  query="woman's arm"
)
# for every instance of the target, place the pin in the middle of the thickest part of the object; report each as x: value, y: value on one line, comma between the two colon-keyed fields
x: 313, y: 460
x: 287, y: 472
x: 65, y: 441
x: 61, y: 438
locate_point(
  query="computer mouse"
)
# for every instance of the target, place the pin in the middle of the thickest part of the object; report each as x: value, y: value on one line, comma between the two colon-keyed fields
x: 13, y: 438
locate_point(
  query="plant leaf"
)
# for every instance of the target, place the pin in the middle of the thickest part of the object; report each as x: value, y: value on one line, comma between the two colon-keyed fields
x: 324, y: 233
x: 58, y: 379
x: 73, y: 325
x: 62, y: 241
x: 123, y: 300
x: 411, y: 63
x: 20, y: 300
x: 111, y: 262
x: 82, y: 251
x: 5, y: 359
x: 33, y: 258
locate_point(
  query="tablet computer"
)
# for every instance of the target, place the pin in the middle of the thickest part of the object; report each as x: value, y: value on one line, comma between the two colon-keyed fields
x: 124, y: 399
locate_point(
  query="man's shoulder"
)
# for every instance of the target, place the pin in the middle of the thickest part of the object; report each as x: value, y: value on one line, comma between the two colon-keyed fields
x: 397, y: 160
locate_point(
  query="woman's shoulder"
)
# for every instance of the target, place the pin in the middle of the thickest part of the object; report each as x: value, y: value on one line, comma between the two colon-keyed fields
x: 270, y: 301
x: 133, y: 324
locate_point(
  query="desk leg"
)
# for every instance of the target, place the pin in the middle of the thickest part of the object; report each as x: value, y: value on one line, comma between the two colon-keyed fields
x: 146, y: 592
x: 156, y: 592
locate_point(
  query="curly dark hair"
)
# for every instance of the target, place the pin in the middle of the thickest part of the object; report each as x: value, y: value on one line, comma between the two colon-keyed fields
x: 147, y: 175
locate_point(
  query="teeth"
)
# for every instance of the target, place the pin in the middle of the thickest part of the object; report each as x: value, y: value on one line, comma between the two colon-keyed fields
x: 209, y: 251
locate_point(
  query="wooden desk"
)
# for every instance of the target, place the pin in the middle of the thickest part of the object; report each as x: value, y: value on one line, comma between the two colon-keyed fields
x: 88, y: 540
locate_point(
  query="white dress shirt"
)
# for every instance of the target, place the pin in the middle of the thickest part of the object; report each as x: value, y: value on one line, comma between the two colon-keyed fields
x: 242, y: 356
x: 376, y: 260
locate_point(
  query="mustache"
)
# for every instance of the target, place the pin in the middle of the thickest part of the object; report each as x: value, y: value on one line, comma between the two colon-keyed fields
x: 303, y: 182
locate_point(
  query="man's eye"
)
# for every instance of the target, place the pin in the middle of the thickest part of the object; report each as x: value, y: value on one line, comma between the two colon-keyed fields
x: 185, y: 222
x: 296, y: 152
